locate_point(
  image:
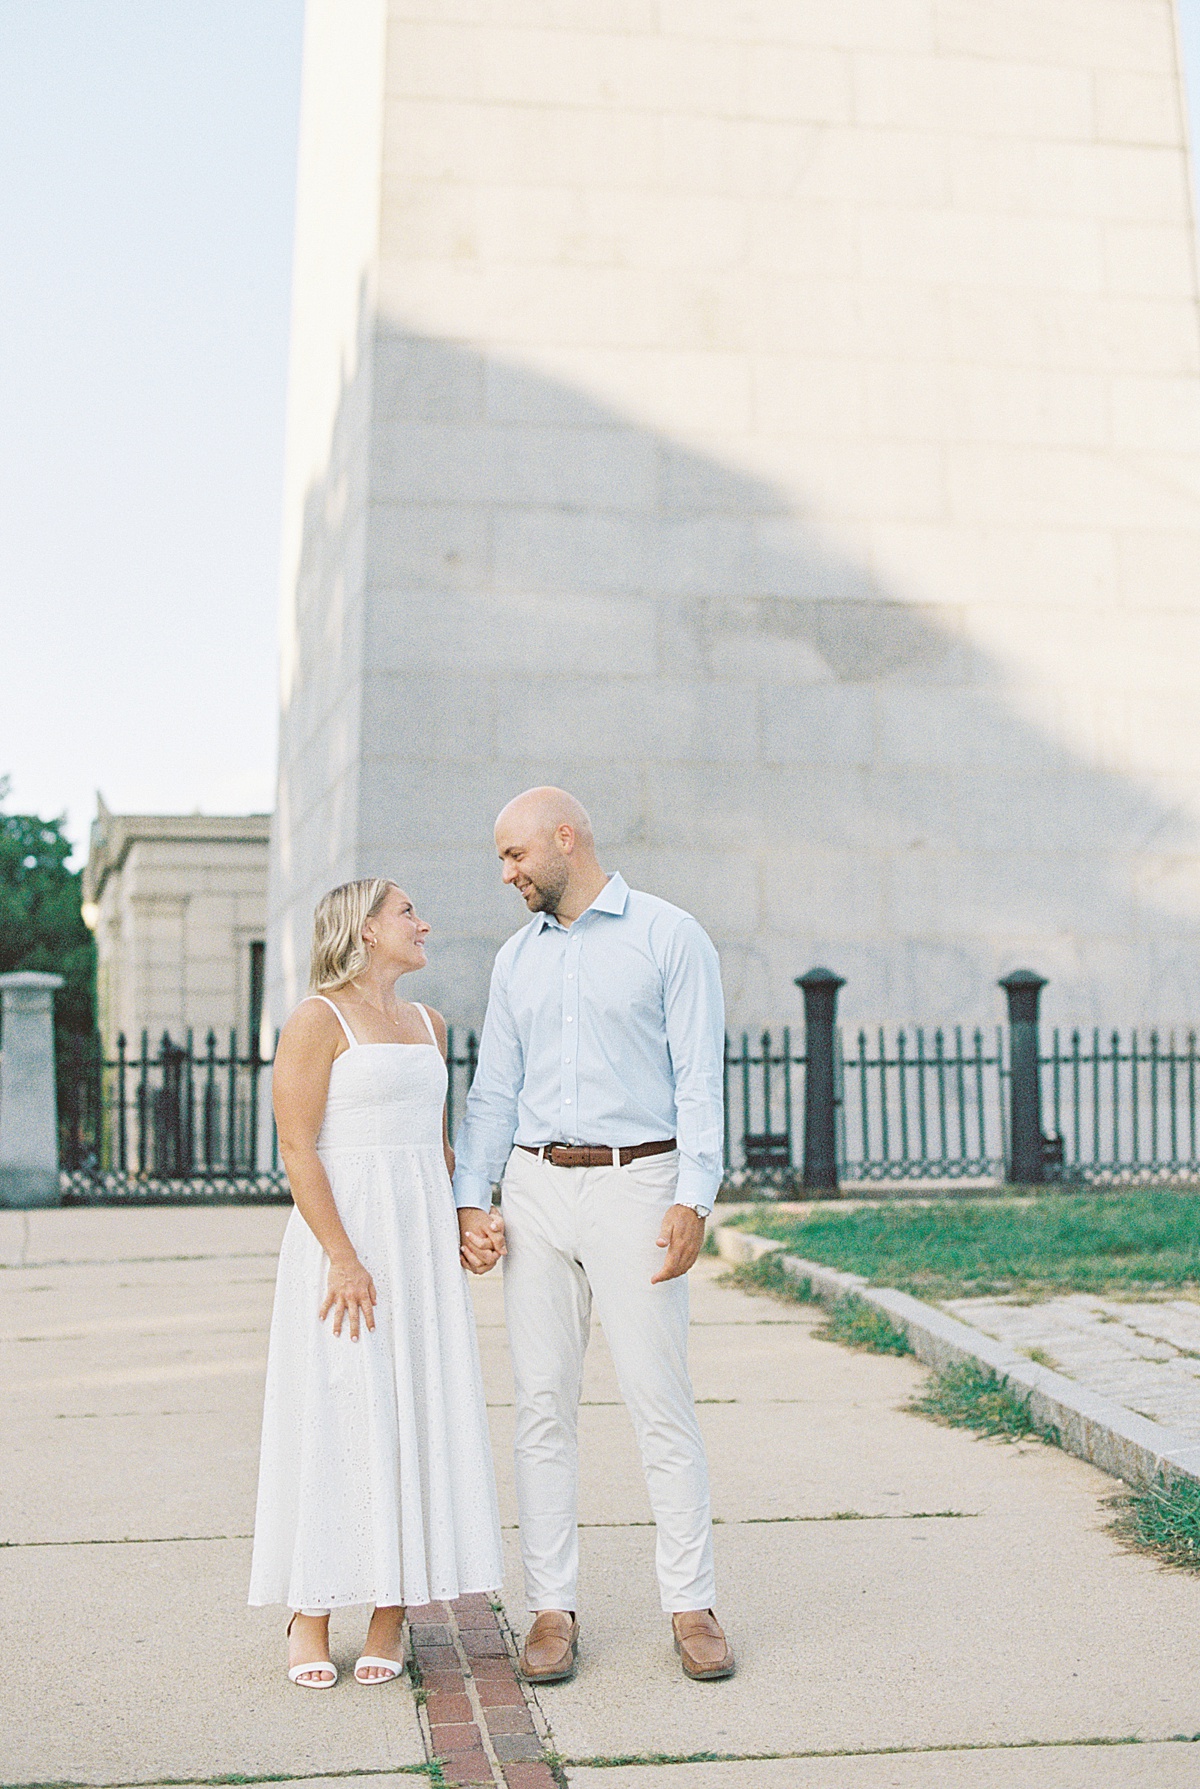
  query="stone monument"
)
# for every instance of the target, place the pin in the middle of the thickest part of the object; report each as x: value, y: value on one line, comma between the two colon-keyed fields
x: 779, y: 422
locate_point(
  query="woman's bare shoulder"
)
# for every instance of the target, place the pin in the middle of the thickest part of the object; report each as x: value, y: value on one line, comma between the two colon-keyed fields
x: 312, y: 1022
x: 439, y: 1025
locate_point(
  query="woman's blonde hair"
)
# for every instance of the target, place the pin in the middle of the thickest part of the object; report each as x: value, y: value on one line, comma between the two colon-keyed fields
x: 338, y: 951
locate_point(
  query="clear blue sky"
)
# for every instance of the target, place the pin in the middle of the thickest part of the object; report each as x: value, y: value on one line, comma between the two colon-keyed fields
x: 148, y: 149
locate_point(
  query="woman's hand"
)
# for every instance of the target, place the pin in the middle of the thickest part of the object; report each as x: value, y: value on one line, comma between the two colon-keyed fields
x: 351, y: 1294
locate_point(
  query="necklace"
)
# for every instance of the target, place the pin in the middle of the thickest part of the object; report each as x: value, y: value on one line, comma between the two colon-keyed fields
x: 376, y: 1009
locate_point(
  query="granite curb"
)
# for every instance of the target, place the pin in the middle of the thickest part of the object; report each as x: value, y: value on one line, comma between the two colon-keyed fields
x: 1119, y: 1441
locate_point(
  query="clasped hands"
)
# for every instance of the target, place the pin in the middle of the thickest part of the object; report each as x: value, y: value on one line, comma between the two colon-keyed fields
x: 481, y: 1238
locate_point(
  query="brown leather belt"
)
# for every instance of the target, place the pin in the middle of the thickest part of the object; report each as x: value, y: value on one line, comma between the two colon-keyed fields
x: 593, y: 1155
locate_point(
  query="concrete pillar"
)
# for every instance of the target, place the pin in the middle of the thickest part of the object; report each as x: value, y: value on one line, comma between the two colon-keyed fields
x: 28, y: 1099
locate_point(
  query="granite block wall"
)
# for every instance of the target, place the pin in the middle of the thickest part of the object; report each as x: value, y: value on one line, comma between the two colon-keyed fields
x: 779, y: 422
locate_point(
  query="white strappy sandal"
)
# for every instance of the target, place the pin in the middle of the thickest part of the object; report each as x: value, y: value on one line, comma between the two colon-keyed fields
x: 393, y: 1667
x: 301, y: 1674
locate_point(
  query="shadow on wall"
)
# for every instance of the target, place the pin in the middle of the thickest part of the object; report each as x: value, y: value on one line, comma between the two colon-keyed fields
x: 504, y: 581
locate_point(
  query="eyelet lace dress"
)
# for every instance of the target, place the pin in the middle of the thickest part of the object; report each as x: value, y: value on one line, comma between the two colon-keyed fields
x: 375, y: 1480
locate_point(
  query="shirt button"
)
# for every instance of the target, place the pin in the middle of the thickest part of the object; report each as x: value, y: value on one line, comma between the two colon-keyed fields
x: 566, y: 1059
x: 570, y: 1020
x: 567, y: 1101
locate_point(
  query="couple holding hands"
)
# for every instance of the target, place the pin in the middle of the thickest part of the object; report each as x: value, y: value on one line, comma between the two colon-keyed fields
x: 597, y: 1102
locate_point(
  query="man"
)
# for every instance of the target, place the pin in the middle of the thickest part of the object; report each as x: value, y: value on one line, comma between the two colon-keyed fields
x: 598, y: 1097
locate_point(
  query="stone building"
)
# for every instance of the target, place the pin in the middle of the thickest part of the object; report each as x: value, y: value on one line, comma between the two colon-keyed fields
x: 780, y: 422
x: 178, y: 906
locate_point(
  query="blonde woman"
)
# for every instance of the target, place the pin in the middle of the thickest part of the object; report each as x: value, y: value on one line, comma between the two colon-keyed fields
x: 375, y: 1481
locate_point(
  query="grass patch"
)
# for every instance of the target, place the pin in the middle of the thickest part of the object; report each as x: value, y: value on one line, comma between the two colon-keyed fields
x: 968, y: 1396
x: 768, y: 1274
x: 851, y: 1321
x: 1136, y: 1240
x: 856, y: 1324
x: 1162, y: 1518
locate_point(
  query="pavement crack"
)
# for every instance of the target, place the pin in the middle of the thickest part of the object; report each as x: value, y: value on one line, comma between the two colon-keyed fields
x: 221, y: 1782
x: 623, y: 1760
x: 128, y: 1540
x: 142, y: 1261
x: 837, y: 1515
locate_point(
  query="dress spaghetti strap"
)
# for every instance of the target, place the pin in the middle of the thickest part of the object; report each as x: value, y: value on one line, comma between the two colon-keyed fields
x: 424, y: 1012
x: 350, y: 1037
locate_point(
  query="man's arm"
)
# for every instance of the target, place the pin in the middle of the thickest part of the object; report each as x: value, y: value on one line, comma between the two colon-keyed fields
x: 694, y: 1008
x: 485, y: 1136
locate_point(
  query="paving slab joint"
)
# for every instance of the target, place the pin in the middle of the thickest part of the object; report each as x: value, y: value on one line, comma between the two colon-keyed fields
x: 1093, y: 1427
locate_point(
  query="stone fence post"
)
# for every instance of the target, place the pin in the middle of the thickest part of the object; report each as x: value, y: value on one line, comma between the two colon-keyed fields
x: 1026, y: 1165
x: 28, y: 1098
x: 820, y: 990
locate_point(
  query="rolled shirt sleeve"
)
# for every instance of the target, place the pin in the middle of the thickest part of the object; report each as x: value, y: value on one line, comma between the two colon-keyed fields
x: 694, y: 1009
x: 485, y: 1136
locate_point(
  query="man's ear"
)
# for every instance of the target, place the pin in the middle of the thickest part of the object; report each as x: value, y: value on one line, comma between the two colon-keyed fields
x: 564, y: 837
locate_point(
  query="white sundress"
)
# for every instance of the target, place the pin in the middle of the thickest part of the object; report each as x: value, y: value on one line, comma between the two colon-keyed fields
x: 375, y: 1481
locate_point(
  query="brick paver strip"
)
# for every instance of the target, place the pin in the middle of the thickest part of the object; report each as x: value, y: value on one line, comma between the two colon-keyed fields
x: 463, y: 1736
x: 444, y: 1707
x: 510, y: 1747
x: 478, y: 1720
x: 509, y: 1720
x: 529, y: 1776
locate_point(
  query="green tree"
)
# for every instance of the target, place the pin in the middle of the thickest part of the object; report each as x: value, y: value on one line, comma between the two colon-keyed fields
x: 40, y: 922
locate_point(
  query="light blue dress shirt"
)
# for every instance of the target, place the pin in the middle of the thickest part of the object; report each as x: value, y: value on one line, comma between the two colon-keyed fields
x: 608, y: 1031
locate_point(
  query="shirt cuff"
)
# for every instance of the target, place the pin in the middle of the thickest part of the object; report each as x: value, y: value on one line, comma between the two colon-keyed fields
x: 472, y: 1188
x: 696, y: 1187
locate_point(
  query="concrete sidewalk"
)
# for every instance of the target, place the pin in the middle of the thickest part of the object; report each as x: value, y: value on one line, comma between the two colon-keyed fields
x: 976, y: 1626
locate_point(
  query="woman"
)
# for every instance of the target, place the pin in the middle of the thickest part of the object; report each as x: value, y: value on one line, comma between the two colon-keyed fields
x: 375, y: 1482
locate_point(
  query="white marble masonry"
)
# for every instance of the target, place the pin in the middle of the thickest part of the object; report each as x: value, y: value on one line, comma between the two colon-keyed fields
x: 178, y: 906
x: 780, y: 423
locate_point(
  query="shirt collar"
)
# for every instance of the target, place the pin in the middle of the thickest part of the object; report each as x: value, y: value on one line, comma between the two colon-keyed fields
x: 613, y: 898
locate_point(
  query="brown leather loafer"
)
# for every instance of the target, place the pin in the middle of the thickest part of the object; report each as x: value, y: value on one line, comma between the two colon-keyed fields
x: 701, y: 1644
x: 550, y: 1647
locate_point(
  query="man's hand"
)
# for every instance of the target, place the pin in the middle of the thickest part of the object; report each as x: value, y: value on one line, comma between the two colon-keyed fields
x: 682, y: 1235
x: 481, y: 1238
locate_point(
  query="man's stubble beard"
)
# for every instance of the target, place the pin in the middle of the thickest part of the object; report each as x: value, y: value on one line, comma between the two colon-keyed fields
x: 548, y: 892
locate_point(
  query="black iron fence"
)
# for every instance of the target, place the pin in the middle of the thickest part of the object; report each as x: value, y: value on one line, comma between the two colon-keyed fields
x: 947, y: 1105
x: 175, y: 1121
x: 926, y: 1106
x: 813, y: 1111
x: 1121, y: 1109
x: 171, y: 1122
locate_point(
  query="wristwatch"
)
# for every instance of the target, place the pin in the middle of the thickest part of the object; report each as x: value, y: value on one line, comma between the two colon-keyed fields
x: 701, y: 1211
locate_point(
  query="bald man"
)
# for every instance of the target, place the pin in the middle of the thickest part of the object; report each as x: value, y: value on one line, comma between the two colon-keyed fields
x: 598, y: 1100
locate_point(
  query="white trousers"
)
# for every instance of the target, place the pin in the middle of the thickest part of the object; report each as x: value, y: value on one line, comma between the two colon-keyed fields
x: 578, y: 1235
